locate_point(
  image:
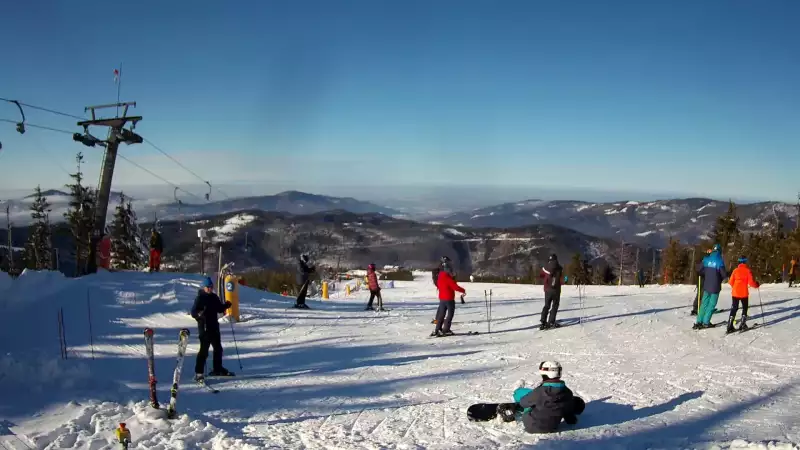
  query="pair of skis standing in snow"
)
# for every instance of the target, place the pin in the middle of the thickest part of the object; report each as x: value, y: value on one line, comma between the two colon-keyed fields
x: 712, y: 274
x: 205, y: 310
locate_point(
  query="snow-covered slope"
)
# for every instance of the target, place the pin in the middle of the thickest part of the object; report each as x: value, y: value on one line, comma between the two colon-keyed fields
x: 339, y: 377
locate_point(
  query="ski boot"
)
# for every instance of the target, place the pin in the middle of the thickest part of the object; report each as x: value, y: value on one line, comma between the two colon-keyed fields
x: 708, y: 325
x: 697, y: 326
x: 199, y: 377
x: 222, y: 372
x: 447, y: 333
x: 743, y: 326
x: 508, y: 411
x: 543, y: 326
x: 369, y: 308
x: 437, y: 333
x: 730, y: 328
x: 554, y: 325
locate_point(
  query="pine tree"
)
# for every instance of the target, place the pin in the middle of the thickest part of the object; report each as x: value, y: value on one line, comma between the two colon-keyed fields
x: 126, y: 251
x: 726, y: 228
x: 577, y: 270
x: 38, y: 249
x: 676, y: 263
x: 80, y: 217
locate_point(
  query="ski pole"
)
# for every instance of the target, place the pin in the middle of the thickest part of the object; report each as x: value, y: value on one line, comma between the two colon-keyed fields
x: 89, y: 309
x: 761, y: 304
x: 490, y: 309
x: 235, y: 345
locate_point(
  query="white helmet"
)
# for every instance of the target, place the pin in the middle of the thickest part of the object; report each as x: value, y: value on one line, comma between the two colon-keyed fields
x: 550, y: 369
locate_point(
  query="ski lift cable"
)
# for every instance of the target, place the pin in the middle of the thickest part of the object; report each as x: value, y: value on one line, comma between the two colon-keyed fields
x: 159, y: 177
x: 37, y: 126
x: 173, y: 159
x: 52, y: 111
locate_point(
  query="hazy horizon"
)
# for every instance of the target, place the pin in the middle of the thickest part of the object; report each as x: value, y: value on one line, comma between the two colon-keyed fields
x: 415, y: 198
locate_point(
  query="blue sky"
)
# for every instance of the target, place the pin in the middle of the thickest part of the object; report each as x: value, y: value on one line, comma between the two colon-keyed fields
x: 686, y: 97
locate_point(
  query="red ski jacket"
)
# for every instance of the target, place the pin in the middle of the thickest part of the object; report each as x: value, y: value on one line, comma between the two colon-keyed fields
x: 372, y: 280
x: 448, y: 287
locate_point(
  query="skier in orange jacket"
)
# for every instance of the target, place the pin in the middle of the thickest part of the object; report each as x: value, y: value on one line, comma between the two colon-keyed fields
x: 792, y: 272
x: 741, y: 280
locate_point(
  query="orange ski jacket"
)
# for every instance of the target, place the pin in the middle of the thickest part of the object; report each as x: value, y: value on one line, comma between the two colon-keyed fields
x: 740, y: 280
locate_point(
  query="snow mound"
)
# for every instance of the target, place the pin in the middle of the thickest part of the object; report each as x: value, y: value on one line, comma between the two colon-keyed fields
x: 225, y: 231
x: 32, y: 285
x: 455, y: 232
x: 91, y: 425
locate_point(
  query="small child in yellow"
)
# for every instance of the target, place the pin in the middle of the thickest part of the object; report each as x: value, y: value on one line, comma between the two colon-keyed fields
x: 123, y: 435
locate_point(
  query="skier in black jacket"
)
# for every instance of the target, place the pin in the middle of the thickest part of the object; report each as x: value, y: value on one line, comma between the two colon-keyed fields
x: 550, y: 402
x: 552, y: 273
x: 205, y: 310
x: 304, y: 271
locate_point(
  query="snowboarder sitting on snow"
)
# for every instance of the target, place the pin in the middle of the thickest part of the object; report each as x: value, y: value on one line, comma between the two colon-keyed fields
x: 549, y: 403
x: 447, y: 302
x: 374, y: 287
x: 741, y: 280
x: 207, y: 306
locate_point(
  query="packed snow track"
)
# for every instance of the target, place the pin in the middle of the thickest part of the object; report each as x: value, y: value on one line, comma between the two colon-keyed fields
x: 339, y: 377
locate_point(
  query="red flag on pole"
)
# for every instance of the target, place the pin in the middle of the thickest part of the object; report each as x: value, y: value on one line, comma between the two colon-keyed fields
x: 116, y: 75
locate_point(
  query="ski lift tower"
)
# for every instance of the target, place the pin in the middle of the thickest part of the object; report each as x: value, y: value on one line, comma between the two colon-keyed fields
x: 117, y: 134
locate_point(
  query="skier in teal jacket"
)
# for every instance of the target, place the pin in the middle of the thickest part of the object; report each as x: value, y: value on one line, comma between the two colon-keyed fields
x: 714, y: 274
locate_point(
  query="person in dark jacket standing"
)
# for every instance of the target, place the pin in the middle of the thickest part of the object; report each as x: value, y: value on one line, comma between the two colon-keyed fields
x: 640, y: 277
x: 447, y: 304
x: 550, y: 402
x: 699, y: 294
x: 156, y: 248
x: 374, y: 288
x: 207, y: 306
x: 304, y: 271
x: 552, y: 273
x: 714, y: 274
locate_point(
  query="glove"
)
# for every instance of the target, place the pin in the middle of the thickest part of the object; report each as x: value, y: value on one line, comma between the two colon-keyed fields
x: 227, y: 305
x: 758, y: 285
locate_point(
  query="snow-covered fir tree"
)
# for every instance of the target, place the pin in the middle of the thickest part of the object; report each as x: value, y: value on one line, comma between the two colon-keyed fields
x: 38, y: 248
x: 126, y: 240
x: 80, y: 217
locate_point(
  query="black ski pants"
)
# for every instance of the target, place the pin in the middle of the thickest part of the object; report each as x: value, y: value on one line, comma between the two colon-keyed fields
x: 735, y: 306
x: 373, y: 295
x: 551, y: 300
x: 213, y: 339
x: 791, y: 279
x: 301, y: 296
x: 445, y: 306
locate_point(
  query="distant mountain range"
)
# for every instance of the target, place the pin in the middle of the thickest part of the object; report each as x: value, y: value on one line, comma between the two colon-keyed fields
x: 350, y: 232
x: 348, y: 240
x: 646, y: 223
x: 292, y: 202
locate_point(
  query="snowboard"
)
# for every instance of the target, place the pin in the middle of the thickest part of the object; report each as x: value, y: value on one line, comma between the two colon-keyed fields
x: 484, y: 412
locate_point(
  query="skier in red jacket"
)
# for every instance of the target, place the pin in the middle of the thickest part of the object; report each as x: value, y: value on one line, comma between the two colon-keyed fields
x: 447, y: 303
x: 374, y: 288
